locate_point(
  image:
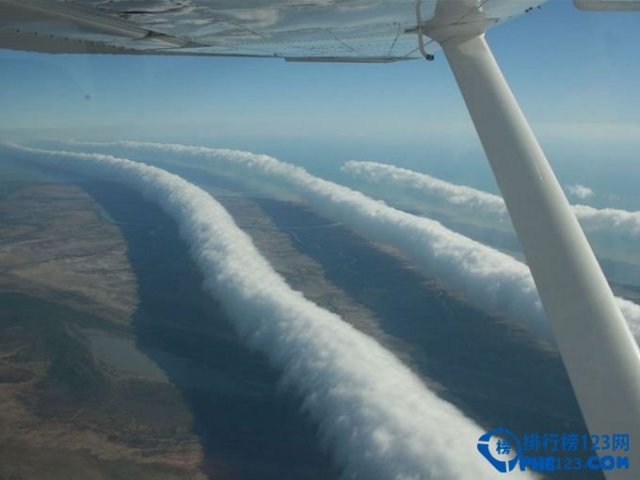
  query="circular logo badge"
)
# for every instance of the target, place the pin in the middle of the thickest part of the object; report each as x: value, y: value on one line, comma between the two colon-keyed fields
x: 501, y: 448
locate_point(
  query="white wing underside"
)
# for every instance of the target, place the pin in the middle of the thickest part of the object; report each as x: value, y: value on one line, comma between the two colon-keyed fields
x: 302, y: 30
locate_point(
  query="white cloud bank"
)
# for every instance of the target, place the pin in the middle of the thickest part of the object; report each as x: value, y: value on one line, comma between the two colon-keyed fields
x: 579, y: 191
x: 379, y: 419
x: 482, y: 203
x: 382, y: 174
x: 490, y: 279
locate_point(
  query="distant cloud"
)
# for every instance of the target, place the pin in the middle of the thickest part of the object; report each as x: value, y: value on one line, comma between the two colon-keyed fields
x: 488, y: 278
x: 380, y: 173
x: 481, y: 203
x: 379, y: 419
x: 579, y: 191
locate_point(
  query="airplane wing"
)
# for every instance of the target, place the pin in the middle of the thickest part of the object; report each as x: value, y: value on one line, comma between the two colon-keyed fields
x: 296, y: 30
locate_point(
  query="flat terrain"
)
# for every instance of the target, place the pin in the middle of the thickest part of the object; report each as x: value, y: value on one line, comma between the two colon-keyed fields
x: 64, y: 413
x: 56, y: 245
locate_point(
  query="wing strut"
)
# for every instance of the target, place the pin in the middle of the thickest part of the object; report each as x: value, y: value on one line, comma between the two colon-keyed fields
x: 597, y: 348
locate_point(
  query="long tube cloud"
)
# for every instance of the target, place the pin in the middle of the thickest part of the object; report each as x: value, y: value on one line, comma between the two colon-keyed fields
x: 490, y: 279
x: 483, y: 203
x: 378, y: 417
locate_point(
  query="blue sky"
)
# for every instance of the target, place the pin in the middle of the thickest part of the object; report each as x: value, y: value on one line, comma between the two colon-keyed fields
x: 574, y: 73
